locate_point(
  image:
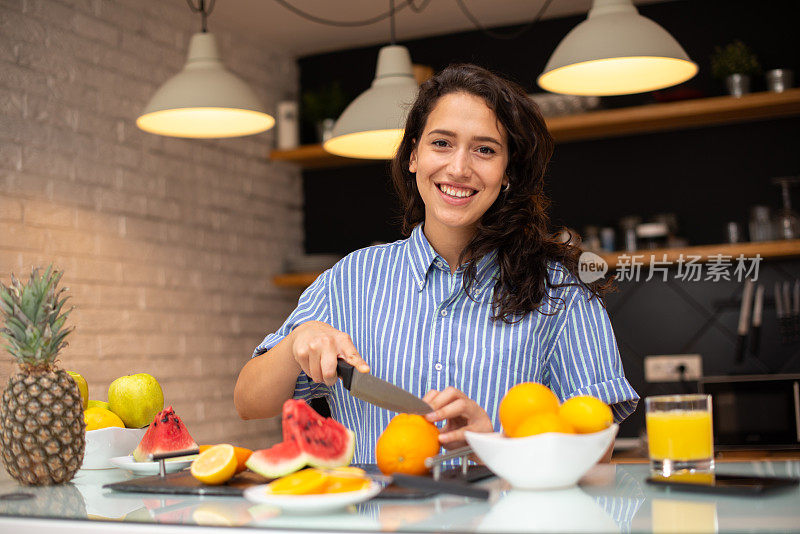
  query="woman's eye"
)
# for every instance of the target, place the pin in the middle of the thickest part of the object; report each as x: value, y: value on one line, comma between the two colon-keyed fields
x: 440, y: 143
x: 486, y: 150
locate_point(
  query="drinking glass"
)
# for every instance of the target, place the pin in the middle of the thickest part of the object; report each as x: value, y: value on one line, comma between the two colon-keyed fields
x: 679, y: 434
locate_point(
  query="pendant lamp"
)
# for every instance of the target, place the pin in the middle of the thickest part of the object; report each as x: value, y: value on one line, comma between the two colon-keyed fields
x: 204, y: 100
x: 616, y: 51
x: 371, y: 127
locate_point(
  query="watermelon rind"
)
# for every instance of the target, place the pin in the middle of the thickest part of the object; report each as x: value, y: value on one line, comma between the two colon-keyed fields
x: 280, y: 460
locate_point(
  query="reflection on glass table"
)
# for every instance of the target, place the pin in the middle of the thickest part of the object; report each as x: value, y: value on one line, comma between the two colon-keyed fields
x: 610, y: 498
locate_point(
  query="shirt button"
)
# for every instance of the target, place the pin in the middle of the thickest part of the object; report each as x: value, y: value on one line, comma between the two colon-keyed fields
x: 438, y: 366
x: 444, y: 313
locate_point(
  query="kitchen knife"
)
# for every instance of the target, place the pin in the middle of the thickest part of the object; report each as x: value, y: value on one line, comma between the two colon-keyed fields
x: 744, y: 319
x: 379, y: 392
x: 758, y: 309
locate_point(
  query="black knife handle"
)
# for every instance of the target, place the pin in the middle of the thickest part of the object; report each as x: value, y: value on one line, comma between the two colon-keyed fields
x: 439, y: 486
x: 173, y: 454
x: 345, y: 372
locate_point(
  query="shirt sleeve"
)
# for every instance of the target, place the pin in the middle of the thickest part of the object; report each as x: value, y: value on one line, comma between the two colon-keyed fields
x: 585, y: 359
x: 312, y: 306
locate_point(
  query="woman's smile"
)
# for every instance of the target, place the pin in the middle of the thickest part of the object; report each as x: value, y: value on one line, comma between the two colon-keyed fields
x: 456, y: 194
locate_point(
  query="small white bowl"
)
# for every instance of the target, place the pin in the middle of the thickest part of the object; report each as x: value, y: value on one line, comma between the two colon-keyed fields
x: 107, y: 443
x: 544, y: 461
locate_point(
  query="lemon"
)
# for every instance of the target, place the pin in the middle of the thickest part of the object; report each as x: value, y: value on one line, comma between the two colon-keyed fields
x: 97, y: 418
x: 586, y: 414
x: 215, y: 465
x: 136, y: 399
x: 300, y: 483
x: 83, y: 387
x: 97, y: 404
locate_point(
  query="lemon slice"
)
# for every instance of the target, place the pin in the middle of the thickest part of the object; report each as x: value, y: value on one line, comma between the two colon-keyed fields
x: 215, y: 465
x: 300, y: 483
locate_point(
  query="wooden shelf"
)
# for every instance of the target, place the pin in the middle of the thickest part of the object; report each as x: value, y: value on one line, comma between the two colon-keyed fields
x: 295, y: 279
x: 315, y: 157
x: 767, y: 250
x: 615, y: 122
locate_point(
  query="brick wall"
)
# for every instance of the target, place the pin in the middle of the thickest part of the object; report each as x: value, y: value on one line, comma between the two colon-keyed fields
x: 168, y: 245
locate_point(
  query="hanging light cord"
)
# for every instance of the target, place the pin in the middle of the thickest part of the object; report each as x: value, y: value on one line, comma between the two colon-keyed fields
x: 204, y: 9
x: 496, y: 35
x: 349, y: 23
x: 416, y: 9
x: 392, y: 39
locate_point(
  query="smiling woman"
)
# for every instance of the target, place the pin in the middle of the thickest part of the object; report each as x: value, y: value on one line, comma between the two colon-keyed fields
x: 479, y: 298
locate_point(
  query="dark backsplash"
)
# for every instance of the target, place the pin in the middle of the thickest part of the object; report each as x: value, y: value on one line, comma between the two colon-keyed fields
x: 706, y: 176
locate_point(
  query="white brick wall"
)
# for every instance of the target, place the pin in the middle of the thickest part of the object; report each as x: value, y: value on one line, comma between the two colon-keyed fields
x: 168, y: 245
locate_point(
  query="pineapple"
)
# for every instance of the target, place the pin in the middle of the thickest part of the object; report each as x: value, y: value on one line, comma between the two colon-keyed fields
x: 41, y: 415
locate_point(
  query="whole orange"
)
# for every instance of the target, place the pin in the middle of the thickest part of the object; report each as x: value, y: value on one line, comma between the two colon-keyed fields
x: 405, y: 443
x: 523, y: 401
x: 541, y: 423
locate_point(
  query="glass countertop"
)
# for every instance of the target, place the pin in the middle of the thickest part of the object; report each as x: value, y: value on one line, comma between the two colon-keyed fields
x: 610, y: 498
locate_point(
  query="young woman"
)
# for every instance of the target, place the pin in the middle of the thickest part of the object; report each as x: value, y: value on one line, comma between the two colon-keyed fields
x: 479, y: 298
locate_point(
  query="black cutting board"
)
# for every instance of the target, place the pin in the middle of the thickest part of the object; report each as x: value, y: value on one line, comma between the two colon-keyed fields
x: 183, y: 483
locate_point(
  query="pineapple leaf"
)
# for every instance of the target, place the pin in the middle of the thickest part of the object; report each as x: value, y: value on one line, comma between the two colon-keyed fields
x: 15, y: 328
x: 35, y: 317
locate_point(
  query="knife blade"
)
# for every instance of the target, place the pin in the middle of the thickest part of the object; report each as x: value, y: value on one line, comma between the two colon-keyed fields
x: 379, y: 392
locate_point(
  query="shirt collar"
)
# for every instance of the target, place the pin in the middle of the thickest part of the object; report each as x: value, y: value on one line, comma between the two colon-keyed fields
x: 422, y: 255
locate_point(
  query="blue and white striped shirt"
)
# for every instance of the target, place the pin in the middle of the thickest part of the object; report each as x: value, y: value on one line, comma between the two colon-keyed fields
x: 411, y: 320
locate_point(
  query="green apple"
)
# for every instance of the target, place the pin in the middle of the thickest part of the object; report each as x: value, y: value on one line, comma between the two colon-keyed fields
x: 83, y: 387
x: 98, y: 404
x: 136, y: 399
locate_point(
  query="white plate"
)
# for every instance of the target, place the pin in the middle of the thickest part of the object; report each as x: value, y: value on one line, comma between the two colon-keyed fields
x: 172, y: 465
x: 311, y: 503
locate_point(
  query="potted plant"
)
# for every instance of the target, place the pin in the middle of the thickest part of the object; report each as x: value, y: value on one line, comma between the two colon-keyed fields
x: 321, y: 107
x: 735, y: 64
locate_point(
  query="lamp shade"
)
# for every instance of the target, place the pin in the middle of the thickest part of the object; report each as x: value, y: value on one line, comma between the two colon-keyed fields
x: 616, y: 51
x: 371, y: 127
x: 204, y: 100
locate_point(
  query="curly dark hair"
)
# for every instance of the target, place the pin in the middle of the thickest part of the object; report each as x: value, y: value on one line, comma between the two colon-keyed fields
x: 517, y: 223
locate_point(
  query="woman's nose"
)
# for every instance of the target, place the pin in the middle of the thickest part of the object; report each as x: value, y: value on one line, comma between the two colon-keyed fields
x: 458, y: 166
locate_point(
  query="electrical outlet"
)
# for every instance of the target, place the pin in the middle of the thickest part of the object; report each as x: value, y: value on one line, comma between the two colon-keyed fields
x: 666, y: 368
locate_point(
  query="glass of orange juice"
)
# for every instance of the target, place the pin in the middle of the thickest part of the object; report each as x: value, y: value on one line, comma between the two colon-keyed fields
x: 679, y: 434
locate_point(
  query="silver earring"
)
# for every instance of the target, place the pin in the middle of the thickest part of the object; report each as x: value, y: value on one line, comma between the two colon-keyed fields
x: 505, y: 189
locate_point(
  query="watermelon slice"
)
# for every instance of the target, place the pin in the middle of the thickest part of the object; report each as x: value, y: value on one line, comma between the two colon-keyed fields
x: 166, y: 433
x: 308, y: 439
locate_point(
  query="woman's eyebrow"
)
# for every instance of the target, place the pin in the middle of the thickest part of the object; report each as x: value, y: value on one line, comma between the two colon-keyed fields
x: 482, y: 139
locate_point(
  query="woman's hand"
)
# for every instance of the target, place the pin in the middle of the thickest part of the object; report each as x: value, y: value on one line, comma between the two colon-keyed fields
x: 318, y: 346
x: 461, y: 413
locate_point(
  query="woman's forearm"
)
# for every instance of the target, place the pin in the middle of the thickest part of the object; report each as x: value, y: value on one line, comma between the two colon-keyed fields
x: 266, y: 381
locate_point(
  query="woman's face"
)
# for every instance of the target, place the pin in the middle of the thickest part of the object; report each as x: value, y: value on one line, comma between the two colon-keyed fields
x: 460, y: 161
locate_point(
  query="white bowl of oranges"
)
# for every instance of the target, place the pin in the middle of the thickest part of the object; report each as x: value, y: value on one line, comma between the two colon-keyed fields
x: 107, y: 437
x: 545, y: 444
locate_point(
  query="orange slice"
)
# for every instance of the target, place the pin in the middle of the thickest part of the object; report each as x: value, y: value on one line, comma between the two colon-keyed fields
x: 344, y: 479
x: 336, y: 484
x: 300, y: 483
x: 215, y: 465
